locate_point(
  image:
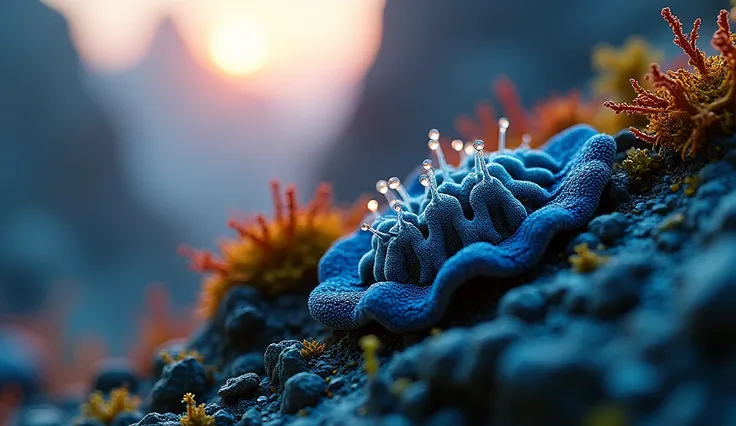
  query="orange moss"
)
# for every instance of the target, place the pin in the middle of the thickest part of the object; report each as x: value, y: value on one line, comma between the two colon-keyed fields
x: 158, y: 324
x: 275, y: 256
x: 685, y: 106
x: 105, y: 411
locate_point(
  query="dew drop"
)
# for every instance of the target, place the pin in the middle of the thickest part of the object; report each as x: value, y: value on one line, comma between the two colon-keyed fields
x: 427, y: 164
x: 382, y: 186
x: 396, y: 205
x: 433, y: 144
x: 503, y: 123
x: 469, y: 148
x: 457, y: 145
x: 364, y: 226
x: 394, y: 183
x: 479, y: 145
x: 434, y: 134
x: 373, y: 205
x: 424, y: 179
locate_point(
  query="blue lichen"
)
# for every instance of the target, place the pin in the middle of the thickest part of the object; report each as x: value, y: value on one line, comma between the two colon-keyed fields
x: 491, y: 220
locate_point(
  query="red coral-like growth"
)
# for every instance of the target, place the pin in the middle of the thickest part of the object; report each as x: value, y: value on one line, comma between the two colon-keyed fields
x: 686, y: 107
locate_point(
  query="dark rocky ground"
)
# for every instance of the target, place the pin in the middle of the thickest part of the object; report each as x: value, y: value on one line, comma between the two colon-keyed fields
x: 648, y: 338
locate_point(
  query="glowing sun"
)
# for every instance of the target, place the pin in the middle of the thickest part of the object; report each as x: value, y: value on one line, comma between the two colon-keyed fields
x: 238, y: 47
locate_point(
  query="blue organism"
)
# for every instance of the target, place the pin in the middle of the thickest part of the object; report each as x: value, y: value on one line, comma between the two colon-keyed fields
x: 493, y: 216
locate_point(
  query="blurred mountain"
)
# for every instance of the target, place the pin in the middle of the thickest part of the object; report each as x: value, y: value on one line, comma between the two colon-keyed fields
x: 65, y: 209
x: 187, y: 132
x: 438, y: 58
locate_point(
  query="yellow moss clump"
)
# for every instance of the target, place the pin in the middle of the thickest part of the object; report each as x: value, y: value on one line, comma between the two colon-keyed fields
x: 617, y: 66
x: 370, y: 345
x: 585, y: 260
x: 105, y: 411
x: 312, y: 349
x: 195, y: 415
x: 692, y: 183
x: 275, y: 256
x: 168, y: 358
x: 686, y: 107
x: 638, y: 162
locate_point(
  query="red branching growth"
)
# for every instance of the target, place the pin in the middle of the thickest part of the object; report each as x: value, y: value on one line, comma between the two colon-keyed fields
x: 274, y: 255
x: 158, y: 324
x: 547, y: 118
x: 10, y: 401
x: 686, y: 107
x: 696, y: 57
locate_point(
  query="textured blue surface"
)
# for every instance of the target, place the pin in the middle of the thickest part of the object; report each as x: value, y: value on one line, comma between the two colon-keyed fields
x: 497, y: 225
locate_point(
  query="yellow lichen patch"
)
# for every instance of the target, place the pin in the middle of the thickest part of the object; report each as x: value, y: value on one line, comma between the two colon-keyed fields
x: 105, y: 411
x: 312, y: 349
x: 692, y: 183
x: 686, y: 107
x: 399, y: 385
x: 168, y: 358
x: 585, y: 260
x: 672, y: 222
x: 638, y: 162
x: 370, y: 345
x: 195, y: 415
x: 606, y: 415
x: 275, y: 256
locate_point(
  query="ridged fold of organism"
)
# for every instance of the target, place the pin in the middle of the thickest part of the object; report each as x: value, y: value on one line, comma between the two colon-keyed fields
x: 493, y: 217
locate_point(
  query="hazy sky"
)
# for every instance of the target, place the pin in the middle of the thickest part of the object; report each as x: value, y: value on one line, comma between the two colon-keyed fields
x: 196, y: 155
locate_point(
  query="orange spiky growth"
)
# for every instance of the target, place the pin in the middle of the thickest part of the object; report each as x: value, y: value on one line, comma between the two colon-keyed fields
x: 105, y: 411
x: 485, y: 123
x: 159, y: 323
x: 275, y: 256
x: 69, y: 364
x: 685, y: 106
x: 547, y: 118
x: 195, y: 415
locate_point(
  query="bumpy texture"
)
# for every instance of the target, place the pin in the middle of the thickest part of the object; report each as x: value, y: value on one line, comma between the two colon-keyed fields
x: 497, y: 223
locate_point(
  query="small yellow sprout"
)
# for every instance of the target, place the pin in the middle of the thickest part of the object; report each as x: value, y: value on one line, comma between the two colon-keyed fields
x: 195, y: 415
x: 370, y: 345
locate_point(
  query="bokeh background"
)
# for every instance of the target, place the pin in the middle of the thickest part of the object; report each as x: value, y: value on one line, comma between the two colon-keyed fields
x: 128, y: 127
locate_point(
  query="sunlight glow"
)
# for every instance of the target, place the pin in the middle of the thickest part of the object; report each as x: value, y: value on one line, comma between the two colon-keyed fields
x: 265, y: 47
x: 238, y: 47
